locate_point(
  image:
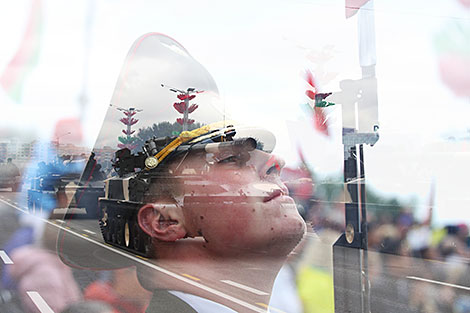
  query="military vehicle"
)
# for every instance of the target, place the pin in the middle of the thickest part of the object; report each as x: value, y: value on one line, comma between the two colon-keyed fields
x: 62, y: 190
x: 157, y: 72
x: 10, y: 176
x: 141, y: 179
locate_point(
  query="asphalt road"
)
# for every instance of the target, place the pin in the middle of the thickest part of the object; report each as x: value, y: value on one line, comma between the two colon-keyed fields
x: 85, y: 238
x: 392, y: 286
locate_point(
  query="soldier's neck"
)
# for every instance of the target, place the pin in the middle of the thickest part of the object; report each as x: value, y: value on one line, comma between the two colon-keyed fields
x: 200, y: 271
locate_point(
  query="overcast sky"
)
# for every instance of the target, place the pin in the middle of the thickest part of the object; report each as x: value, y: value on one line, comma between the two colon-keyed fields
x: 255, y: 52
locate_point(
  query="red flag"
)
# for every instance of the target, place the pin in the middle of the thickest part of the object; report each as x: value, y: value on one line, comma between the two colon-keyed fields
x: 27, y: 55
x: 310, y: 94
x: 309, y: 79
x: 319, y: 119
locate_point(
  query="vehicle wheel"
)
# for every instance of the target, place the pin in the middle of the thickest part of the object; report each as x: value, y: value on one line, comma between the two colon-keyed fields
x: 120, y: 232
x: 111, y: 230
x: 35, y: 205
x: 30, y: 203
x: 128, y: 242
x: 136, y: 237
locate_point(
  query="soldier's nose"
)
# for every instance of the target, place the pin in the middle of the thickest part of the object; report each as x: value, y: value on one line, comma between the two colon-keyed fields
x: 272, y: 166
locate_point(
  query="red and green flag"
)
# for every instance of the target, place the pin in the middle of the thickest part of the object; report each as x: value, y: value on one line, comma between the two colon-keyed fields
x: 26, y: 57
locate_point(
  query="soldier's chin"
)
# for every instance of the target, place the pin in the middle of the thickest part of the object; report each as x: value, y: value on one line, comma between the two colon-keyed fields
x: 283, y: 246
x: 284, y: 242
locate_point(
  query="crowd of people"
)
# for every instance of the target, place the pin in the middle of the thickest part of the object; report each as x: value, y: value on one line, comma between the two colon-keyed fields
x: 419, y: 266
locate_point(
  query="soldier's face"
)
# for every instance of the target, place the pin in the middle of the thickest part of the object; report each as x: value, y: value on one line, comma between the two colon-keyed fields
x: 239, y: 203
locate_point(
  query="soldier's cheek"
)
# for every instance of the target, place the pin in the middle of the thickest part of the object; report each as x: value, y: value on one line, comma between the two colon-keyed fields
x: 230, y: 223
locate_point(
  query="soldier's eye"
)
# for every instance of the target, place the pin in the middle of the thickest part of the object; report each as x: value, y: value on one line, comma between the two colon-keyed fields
x: 272, y: 170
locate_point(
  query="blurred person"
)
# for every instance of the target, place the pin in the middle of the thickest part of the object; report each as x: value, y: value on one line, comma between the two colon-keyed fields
x: 36, y: 268
x: 29, y: 232
x: 10, y: 176
x: 455, y: 255
x: 382, y: 235
x: 419, y: 239
x: 39, y: 270
x: 285, y: 294
x: 122, y: 292
x: 462, y: 304
x: 464, y: 235
x: 390, y: 290
x: 12, y: 168
x: 315, y: 271
x: 453, y: 250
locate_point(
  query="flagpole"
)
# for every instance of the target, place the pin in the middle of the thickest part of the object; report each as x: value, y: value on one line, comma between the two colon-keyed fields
x: 360, y: 126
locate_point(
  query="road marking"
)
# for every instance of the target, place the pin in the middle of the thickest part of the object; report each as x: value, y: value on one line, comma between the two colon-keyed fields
x: 192, y: 277
x: 253, y: 290
x: 14, y: 206
x: 15, y: 203
x: 270, y: 308
x: 438, y: 282
x: 141, y: 257
x: 89, y: 231
x: 150, y: 265
x: 85, y: 235
x: 6, y: 259
x: 39, y: 302
x: 59, y: 221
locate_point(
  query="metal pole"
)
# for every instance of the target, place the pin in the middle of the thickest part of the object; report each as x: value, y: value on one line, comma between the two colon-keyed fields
x: 364, y: 231
x: 185, y: 116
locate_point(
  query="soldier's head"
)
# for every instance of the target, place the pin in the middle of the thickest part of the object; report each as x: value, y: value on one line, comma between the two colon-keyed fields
x: 232, y: 198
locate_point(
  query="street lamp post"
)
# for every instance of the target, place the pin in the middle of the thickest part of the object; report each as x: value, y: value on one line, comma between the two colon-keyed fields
x: 58, y: 137
x: 184, y: 107
x: 56, y: 143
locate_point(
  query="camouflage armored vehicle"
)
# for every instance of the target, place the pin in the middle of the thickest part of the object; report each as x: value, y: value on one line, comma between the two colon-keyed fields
x: 146, y: 93
x: 144, y: 177
x: 62, y: 190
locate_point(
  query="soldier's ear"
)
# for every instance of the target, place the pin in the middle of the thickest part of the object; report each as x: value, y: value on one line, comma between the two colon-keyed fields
x: 162, y: 221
